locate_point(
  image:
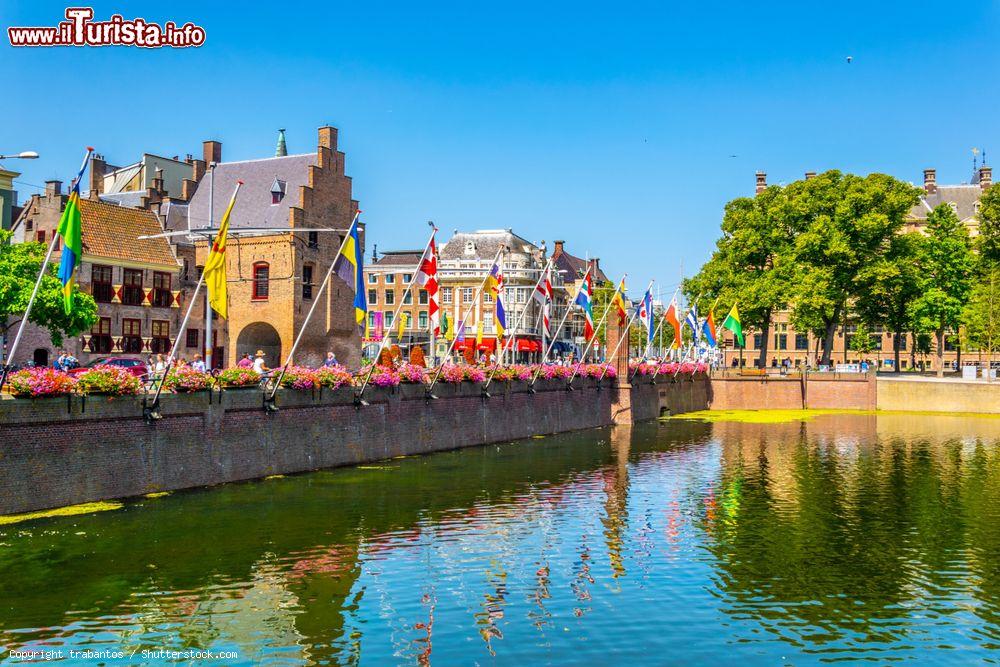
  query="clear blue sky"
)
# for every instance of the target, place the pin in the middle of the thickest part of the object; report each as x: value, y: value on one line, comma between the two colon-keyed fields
x: 611, y: 125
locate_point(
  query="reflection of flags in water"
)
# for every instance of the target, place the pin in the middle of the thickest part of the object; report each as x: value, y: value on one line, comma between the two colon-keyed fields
x: 71, y: 230
x: 692, y: 321
x: 543, y: 295
x: 349, y: 265
x: 645, y: 310
x: 426, y: 277
x: 583, y: 300
x: 670, y: 317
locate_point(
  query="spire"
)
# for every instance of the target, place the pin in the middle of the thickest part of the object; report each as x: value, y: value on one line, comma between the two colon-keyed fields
x: 281, y: 151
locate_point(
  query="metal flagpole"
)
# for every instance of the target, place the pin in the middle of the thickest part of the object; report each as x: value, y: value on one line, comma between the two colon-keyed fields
x: 628, y: 327
x: 569, y: 307
x: 38, y: 281
x: 209, y: 315
x: 461, y: 326
x: 659, y: 327
x: 395, y: 314
x: 517, y: 323
x: 312, y: 308
x: 597, y: 327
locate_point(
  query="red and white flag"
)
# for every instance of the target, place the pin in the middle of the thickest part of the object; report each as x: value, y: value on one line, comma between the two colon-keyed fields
x: 427, y: 277
x: 543, y: 295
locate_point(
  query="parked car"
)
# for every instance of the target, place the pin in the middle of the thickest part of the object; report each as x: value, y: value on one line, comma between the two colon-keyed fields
x: 134, y: 366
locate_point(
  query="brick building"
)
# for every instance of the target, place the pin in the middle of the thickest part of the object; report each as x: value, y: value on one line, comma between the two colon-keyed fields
x: 136, y: 283
x: 386, y: 278
x: 572, y: 270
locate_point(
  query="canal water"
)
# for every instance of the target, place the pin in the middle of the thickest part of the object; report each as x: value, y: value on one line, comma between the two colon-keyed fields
x: 842, y: 538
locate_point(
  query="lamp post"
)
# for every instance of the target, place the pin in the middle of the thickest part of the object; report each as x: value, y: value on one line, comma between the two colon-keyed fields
x: 23, y: 155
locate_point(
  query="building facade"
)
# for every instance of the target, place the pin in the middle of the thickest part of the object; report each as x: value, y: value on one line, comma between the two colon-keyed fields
x: 386, y: 281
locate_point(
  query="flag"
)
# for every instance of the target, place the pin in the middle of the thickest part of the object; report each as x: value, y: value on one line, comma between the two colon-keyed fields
x: 494, y: 283
x: 71, y: 230
x: 543, y: 295
x: 732, y: 322
x: 708, y: 328
x: 583, y: 300
x: 427, y: 278
x: 692, y: 321
x: 350, y: 267
x: 671, y: 318
x: 215, y: 265
x: 479, y: 333
x: 645, y: 311
x: 619, y: 301
x: 460, y: 334
x: 446, y: 329
x: 404, y: 321
x: 379, y: 324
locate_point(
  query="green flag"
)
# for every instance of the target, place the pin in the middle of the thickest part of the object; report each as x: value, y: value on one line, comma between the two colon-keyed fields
x: 732, y: 322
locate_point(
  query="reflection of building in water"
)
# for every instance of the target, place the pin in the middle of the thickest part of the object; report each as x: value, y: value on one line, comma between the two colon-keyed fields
x: 615, y: 517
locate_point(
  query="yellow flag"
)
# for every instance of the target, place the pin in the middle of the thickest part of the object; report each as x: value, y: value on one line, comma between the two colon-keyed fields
x: 479, y: 333
x: 404, y: 321
x: 215, y: 265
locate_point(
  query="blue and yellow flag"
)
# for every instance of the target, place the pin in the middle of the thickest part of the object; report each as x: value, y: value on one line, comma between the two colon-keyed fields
x: 495, y: 286
x: 71, y: 231
x: 350, y: 267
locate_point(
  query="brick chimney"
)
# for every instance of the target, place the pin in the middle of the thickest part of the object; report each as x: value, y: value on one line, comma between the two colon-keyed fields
x: 557, y: 248
x: 985, y: 177
x: 158, y: 181
x: 328, y: 137
x: 810, y: 175
x: 761, y: 182
x: 53, y: 188
x: 930, y: 181
x: 212, y: 151
x: 97, y: 169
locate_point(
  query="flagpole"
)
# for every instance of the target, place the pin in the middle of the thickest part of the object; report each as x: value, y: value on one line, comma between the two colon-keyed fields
x: 395, y: 314
x: 38, y: 281
x: 659, y: 326
x: 552, y: 342
x: 517, y: 323
x: 312, y: 308
x: 625, y: 337
x: 475, y: 299
x: 597, y: 327
x: 657, y: 371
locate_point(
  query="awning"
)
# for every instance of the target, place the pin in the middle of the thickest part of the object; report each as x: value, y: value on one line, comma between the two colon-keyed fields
x: 528, y: 345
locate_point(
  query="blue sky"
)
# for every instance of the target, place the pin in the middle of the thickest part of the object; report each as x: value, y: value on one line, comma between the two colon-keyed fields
x: 611, y: 125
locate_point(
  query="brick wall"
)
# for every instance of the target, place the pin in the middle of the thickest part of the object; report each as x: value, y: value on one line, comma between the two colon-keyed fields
x: 855, y: 392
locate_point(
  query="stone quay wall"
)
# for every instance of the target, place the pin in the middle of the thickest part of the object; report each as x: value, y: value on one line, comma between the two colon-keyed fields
x: 65, y: 451
x: 824, y: 391
x: 928, y: 394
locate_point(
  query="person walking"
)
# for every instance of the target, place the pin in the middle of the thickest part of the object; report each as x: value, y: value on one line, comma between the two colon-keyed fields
x: 331, y: 360
x: 245, y: 361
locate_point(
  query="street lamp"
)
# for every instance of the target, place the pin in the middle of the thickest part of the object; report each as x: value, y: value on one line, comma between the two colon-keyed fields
x: 24, y: 155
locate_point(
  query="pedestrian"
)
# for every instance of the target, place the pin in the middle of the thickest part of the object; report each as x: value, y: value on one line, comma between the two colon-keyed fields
x: 331, y: 360
x: 259, y: 366
x: 198, y: 364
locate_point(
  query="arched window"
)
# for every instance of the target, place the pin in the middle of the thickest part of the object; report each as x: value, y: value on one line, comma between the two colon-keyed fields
x: 261, y: 280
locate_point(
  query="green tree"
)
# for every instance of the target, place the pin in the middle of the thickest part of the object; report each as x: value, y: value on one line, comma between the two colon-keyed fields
x: 888, y: 285
x: 842, y: 224
x: 988, y: 241
x: 862, y: 341
x: 981, y: 315
x: 946, y: 264
x: 19, y: 266
x: 752, y: 263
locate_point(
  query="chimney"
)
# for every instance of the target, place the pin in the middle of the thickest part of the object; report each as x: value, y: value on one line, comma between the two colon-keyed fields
x: 97, y: 169
x: 212, y: 151
x: 328, y: 137
x: 53, y: 188
x: 985, y: 177
x: 761, y: 182
x: 557, y: 249
x: 158, y: 181
x: 930, y: 181
x: 810, y: 175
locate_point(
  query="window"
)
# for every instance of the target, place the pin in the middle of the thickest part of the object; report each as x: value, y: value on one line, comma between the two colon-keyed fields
x: 261, y: 281
x: 131, y: 336
x: 902, y: 342
x: 162, y: 297
x: 447, y: 294
x: 390, y: 297
x: 161, y: 337
x: 757, y: 340
x: 371, y: 320
x: 781, y: 341
x: 372, y: 279
x: 372, y: 296
x: 307, y: 281
x: 801, y: 342
x: 467, y: 294
x: 407, y: 298
x: 40, y: 236
x: 100, y: 340
x: 100, y: 284
x: 186, y: 268
x: 422, y: 319
x: 422, y: 297
x: 390, y: 278
x: 487, y: 297
x: 191, y: 338
x: 407, y: 277
x: 387, y: 318
x: 278, y: 188
x: 29, y: 224
x: 132, y: 293
x: 313, y: 240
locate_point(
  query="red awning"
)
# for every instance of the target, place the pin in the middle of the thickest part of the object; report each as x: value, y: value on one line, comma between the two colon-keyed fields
x: 488, y: 345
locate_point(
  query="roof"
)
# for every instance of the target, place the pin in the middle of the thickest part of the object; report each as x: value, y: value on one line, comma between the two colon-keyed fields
x: 485, y: 244
x: 111, y: 232
x: 571, y: 265
x: 964, y: 197
x: 253, y: 206
x: 132, y: 198
x: 399, y: 258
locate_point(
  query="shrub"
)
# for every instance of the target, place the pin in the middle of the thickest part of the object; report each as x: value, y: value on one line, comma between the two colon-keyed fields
x: 239, y: 377
x: 186, y: 378
x: 38, y: 382
x: 469, y: 355
x: 396, y: 353
x: 299, y: 377
x: 417, y: 356
x: 333, y: 377
x: 109, y: 380
x: 385, y: 358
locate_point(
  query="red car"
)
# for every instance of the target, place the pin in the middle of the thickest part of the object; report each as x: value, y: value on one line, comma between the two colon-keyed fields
x: 134, y: 366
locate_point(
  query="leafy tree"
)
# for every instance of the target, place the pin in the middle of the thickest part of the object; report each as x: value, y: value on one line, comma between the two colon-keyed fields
x: 981, y: 315
x: 842, y: 224
x: 989, y: 225
x: 862, y: 341
x: 888, y: 285
x: 752, y: 263
x: 946, y: 263
x: 19, y: 266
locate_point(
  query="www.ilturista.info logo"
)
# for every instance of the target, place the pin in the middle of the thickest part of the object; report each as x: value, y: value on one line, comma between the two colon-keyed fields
x: 80, y: 30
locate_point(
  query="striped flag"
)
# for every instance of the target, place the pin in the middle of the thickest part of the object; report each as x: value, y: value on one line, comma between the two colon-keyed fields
x: 671, y: 317
x: 71, y: 230
x: 427, y: 278
x: 583, y: 299
x: 494, y: 284
x: 692, y: 321
x: 645, y: 310
x: 543, y: 295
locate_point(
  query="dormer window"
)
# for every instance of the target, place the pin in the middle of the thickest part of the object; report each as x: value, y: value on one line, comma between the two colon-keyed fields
x: 277, y: 191
x: 470, y: 248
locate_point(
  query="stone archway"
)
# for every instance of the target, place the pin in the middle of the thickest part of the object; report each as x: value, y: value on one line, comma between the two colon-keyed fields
x: 260, y: 336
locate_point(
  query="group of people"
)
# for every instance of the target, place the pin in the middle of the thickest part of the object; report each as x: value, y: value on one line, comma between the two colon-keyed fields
x: 259, y: 365
x: 65, y: 362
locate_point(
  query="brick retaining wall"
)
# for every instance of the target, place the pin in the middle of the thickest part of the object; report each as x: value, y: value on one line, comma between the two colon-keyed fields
x: 788, y: 392
x: 65, y: 451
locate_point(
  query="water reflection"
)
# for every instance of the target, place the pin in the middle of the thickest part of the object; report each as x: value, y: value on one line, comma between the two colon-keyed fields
x: 848, y: 537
